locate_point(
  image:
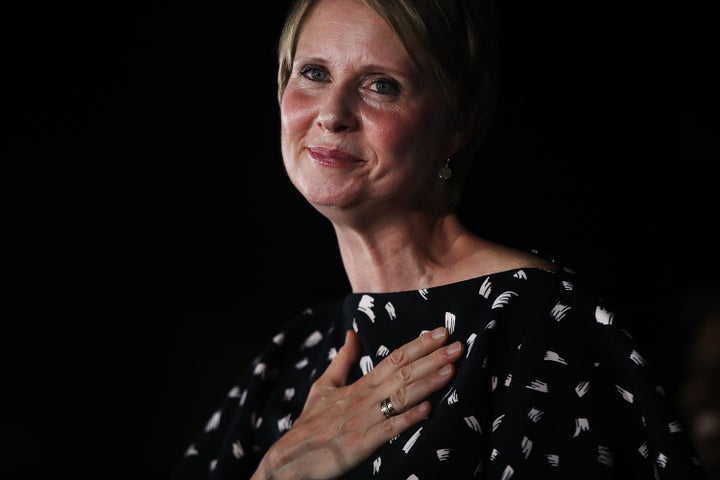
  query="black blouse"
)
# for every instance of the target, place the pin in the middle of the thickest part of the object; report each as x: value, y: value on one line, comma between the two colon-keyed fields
x: 552, y: 386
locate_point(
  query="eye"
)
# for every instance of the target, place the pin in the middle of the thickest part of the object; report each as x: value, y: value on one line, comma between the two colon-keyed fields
x: 385, y: 86
x: 315, y: 73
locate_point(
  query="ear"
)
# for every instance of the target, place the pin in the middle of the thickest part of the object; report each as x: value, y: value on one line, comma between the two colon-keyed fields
x: 456, y: 141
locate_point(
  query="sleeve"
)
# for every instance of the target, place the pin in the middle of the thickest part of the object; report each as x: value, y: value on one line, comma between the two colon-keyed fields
x: 227, y: 445
x: 584, y: 403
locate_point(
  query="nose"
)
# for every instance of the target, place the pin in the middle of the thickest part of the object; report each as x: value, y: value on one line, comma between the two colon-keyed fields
x: 337, y: 112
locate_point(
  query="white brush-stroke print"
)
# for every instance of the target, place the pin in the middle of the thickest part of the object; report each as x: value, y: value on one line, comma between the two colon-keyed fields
x: 526, y: 446
x: 366, y: 364
x: 559, y: 311
x: 450, y: 393
x: 507, y: 473
x: 302, y: 364
x: 508, y: 380
x: 473, y: 423
x: 627, y: 396
x: 259, y: 370
x: 582, y: 388
x: 376, y: 465
x: 603, y: 316
x: 285, y: 423
x: 213, y: 464
x: 480, y: 468
x: 485, y: 288
x: 279, y: 339
x: 382, y: 351
x: 450, y: 322
x: 423, y: 293
x: 637, y: 358
x: 191, y: 451
x: 493, y: 454
x: 675, y: 427
x: 535, y: 415
x: 443, y: 454
x: 288, y: 394
x: 237, y: 450
x: 605, y: 456
x: 493, y: 382
x: 390, y: 310
x: 312, y: 340
x: 332, y: 353
x: 491, y: 325
x: 661, y: 460
x: 520, y: 274
x: 411, y: 442
x: 568, y: 286
x: 496, y: 423
x: 538, y: 386
x: 470, y: 342
x: 581, y: 425
x: 366, y: 305
x: 453, y: 398
x: 551, y: 356
x: 214, y: 421
x: 643, y: 450
x: 503, y: 299
x: 234, y: 392
x: 553, y: 460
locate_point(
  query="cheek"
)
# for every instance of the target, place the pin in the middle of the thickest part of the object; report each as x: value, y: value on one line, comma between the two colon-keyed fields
x: 295, y: 115
x: 408, y: 136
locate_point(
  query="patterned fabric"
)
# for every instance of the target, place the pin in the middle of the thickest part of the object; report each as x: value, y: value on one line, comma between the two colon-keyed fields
x: 551, y: 387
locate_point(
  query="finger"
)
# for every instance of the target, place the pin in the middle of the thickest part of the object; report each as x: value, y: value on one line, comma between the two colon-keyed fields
x: 336, y: 374
x: 425, y: 382
x: 408, y: 353
x: 392, y: 427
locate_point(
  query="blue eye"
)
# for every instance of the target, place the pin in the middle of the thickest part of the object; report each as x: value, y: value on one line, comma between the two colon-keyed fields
x: 385, y: 86
x: 314, y: 73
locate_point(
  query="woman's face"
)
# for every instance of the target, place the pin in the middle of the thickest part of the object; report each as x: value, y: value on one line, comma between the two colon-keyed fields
x: 361, y: 128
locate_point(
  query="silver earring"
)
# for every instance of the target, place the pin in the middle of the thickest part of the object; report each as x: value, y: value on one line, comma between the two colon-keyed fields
x: 445, y: 172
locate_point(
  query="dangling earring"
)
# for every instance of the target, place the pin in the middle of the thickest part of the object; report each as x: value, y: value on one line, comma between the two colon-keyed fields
x: 445, y: 172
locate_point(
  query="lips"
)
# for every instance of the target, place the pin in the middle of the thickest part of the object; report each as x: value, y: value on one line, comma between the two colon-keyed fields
x: 332, y: 157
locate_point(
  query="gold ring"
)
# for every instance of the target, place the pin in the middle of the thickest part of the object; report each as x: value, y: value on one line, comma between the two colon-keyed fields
x: 387, y: 409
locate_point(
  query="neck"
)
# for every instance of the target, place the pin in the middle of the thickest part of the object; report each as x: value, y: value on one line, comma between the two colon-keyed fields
x: 409, y: 255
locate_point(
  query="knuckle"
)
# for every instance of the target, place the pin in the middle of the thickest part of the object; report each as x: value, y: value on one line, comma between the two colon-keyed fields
x: 397, y: 357
x: 404, y: 374
x: 400, y: 398
x: 389, y: 426
x: 439, y: 356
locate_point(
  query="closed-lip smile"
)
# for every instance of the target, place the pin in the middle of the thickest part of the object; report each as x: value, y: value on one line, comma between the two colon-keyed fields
x: 332, y: 157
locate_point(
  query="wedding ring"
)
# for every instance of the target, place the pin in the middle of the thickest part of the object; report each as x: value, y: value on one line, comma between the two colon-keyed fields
x: 387, y: 409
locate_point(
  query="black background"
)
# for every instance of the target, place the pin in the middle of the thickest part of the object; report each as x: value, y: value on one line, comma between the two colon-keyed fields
x: 152, y: 243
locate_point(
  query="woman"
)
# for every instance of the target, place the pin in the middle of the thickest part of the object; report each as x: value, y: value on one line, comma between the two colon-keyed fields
x: 453, y: 357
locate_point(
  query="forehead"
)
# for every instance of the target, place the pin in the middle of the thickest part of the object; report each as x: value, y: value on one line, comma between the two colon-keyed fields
x: 350, y: 29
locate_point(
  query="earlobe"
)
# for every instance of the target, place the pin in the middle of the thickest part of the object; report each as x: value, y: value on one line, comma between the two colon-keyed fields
x: 456, y: 141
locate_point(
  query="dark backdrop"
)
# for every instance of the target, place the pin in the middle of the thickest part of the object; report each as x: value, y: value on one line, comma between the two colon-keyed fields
x: 152, y: 243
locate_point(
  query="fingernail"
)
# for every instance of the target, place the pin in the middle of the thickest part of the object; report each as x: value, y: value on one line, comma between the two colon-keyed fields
x: 452, y: 348
x: 438, y: 333
x: 445, y: 370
